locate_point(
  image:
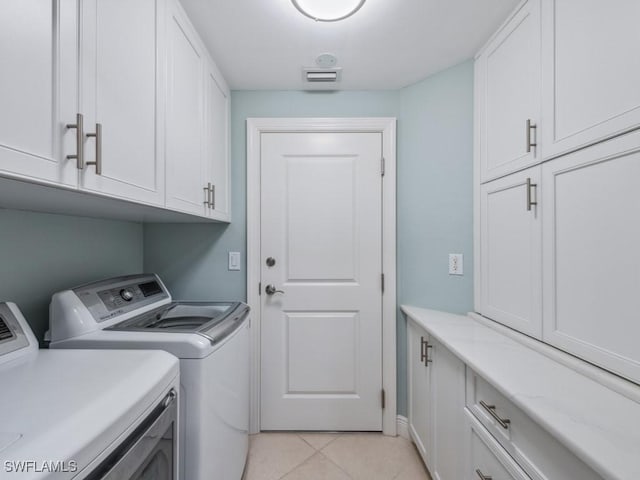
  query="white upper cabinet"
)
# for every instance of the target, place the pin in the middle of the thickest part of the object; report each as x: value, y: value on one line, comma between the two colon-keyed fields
x: 186, y: 172
x: 122, y: 72
x: 591, y: 72
x: 38, y: 90
x: 591, y: 212
x: 217, y: 143
x: 507, y: 95
x: 510, y: 235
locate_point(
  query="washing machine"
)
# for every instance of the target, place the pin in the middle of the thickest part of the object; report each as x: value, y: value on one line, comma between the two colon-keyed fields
x: 84, y: 415
x: 210, y: 339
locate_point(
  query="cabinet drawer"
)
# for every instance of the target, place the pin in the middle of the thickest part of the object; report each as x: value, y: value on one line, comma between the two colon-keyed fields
x: 535, y: 450
x: 487, y: 459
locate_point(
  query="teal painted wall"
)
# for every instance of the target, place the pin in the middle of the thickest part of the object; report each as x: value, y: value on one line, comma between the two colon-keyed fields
x: 435, y: 138
x: 43, y: 253
x: 435, y: 199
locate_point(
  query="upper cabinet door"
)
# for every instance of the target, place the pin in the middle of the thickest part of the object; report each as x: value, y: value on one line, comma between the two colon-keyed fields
x: 591, y: 72
x: 121, y: 80
x: 186, y: 173
x: 511, y: 251
x: 217, y: 143
x: 508, y: 95
x: 38, y: 89
x: 592, y: 262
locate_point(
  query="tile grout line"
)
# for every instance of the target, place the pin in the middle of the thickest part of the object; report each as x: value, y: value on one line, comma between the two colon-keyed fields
x: 320, y: 452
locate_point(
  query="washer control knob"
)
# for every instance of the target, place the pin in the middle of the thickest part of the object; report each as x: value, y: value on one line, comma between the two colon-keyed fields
x: 126, y: 294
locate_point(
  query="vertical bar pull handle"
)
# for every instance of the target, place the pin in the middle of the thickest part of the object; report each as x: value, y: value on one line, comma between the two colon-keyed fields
x: 531, y: 202
x: 213, y: 196
x: 79, y: 126
x: 531, y: 126
x: 207, y: 195
x: 424, y: 351
x: 98, y: 137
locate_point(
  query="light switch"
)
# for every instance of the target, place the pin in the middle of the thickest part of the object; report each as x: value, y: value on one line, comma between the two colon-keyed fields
x: 234, y: 260
x: 455, y: 264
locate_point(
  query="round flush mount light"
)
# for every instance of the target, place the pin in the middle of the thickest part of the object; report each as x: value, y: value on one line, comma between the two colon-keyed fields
x: 328, y: 10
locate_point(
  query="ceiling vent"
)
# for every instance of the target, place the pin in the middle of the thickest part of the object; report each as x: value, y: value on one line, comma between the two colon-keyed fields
x: 322, y: 75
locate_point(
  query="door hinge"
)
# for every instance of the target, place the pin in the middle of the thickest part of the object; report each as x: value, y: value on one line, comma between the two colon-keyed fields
x: 382, y: 166
x: 382, y: 397
x: 382, y: 282
x: 260, y: 288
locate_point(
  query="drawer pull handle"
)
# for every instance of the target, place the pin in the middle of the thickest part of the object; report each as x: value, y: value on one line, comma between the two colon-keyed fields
x: 504, y: 422
x: 482, y: 475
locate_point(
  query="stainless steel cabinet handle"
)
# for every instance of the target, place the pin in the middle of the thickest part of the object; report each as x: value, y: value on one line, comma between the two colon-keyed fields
x: 504, y: 422
x: 79, y: 126
x: 531, y: 126
x: 271, y: 289
x: 207, y: 195
x: 98, y: 137
x: 424, y: 351
x: 530, y: 202
x: 212, y: 200
x: 482, y: 476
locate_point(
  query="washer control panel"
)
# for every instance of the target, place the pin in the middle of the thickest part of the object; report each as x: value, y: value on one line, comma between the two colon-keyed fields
x: 110, y: 298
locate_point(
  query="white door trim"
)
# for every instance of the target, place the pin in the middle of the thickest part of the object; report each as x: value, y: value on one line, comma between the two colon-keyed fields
x: 387, y: 127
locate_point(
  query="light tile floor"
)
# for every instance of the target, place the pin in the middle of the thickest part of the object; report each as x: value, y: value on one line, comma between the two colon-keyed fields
x: 332, y: 456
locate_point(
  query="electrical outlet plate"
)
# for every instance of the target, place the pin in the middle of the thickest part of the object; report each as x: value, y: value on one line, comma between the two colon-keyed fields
x: 234, y: 260
x: 456, y: 266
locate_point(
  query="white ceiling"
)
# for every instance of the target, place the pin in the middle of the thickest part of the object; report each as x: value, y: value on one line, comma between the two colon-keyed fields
x: 388, y: 44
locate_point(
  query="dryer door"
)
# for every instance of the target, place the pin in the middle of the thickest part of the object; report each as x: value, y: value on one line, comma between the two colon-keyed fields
x: 149, y: 453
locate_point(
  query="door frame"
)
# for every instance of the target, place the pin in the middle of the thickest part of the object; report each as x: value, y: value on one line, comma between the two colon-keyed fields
x: 387, y: 127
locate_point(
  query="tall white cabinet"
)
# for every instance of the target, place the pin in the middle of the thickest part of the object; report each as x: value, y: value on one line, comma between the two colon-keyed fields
x: 556, y: 238
x: 591, y: 215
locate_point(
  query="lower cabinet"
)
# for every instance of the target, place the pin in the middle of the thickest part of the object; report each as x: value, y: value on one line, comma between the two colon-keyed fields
x: 436, y: 401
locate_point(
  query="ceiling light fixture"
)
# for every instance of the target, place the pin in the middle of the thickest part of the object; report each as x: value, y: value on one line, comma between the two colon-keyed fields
x: 328, y: 10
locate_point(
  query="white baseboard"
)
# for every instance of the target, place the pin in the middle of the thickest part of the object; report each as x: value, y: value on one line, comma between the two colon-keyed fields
x: 402, y: 427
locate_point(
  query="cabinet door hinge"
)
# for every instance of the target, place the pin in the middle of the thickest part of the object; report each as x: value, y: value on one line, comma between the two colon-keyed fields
x: 260, y: 288
x: 382, y: 282
x: 382, y: 397
x: 382, y: 166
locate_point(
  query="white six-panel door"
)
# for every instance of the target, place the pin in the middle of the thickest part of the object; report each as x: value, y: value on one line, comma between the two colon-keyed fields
x: 321, y: 223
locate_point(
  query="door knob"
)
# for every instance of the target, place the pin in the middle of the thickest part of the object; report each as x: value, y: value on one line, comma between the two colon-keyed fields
x: 270, y: 290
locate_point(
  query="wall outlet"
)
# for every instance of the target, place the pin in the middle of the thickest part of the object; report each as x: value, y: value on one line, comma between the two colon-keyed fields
x: 234, y: 260
x: 456, y: 264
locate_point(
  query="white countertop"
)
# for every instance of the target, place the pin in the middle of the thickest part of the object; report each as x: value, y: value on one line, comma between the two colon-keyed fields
x: 596, y: 423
